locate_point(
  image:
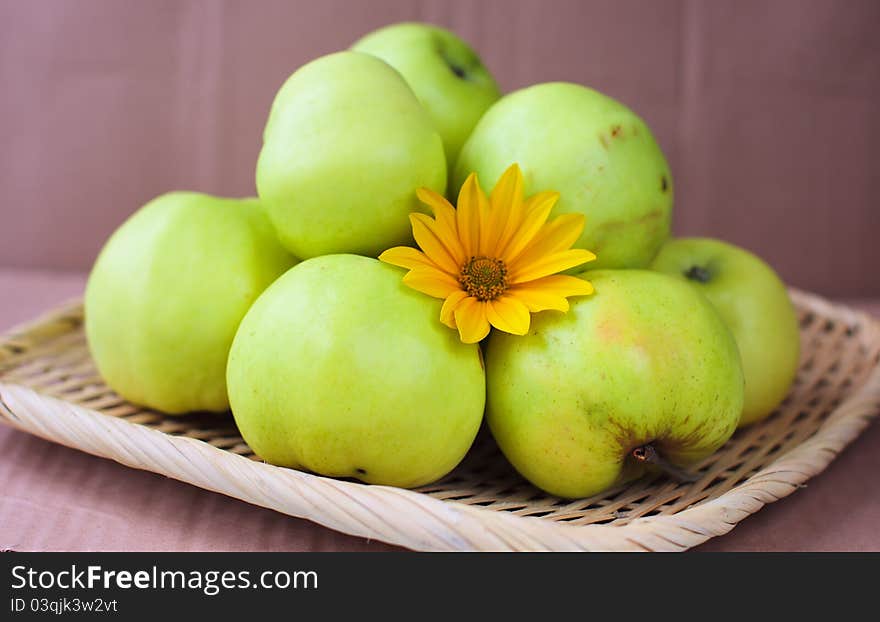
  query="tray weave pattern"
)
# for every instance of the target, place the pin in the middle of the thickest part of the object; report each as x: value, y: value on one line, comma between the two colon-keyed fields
x: 49, y: 387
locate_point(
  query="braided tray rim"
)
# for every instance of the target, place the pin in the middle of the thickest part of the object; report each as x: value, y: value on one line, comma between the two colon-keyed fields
x: 414, y: 519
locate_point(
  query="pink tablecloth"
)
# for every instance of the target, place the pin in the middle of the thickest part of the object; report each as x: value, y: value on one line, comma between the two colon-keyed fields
x: 55, y: 498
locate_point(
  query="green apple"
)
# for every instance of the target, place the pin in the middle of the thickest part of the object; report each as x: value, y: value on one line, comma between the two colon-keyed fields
x: 341, y: 369
x: 754, y: 303
x: 445, y: 73
x: 344, y: 150
x: 167, y: 292
x: 594, y: 151
x: 642, y: 371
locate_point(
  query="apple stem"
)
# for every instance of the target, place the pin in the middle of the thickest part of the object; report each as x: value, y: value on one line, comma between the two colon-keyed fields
x: 648, y: 454
x: 698, y: 273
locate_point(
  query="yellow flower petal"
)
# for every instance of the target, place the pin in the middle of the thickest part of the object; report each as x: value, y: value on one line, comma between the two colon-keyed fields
x: 508, y: 190
x: 470, y: 317
x: 538, y: 300
x: 537, y: 210
x: 551, y: 264
x: 493, y: 259
x: 445, y: 225
x: 557, y: 235
x: 431, y: 281
x: 447, y: 312
x: 436, y: 201
x: 534, y: 201
x: 550, y: 292
x: 432, y: 245
x: 560, y: 233
x: 506, y: 203
x: 407, y: 257
x: 470, y: 200
x: 508, y: 314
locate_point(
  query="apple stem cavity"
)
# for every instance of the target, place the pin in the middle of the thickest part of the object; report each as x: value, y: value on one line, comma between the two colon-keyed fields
x: 458, y: 71
x: 454, y: 66
x: 648, y: 454
x: 698, y: 273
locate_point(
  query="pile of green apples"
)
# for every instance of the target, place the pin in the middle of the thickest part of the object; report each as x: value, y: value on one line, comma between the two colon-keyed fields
x: 277, y: 309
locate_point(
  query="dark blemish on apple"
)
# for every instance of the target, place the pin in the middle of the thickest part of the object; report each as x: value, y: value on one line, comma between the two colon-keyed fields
x: 361, y: 471
x: 698, y: 273
x: 664, y: 185
x: 615, y: 131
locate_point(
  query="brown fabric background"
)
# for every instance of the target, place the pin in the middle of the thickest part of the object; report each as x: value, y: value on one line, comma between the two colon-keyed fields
x: 768, y: 110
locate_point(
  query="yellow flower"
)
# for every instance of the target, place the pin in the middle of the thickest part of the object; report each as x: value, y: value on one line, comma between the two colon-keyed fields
x: 493, y: 260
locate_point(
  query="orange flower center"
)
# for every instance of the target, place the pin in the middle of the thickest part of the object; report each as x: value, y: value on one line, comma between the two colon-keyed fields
x: 484, y: 278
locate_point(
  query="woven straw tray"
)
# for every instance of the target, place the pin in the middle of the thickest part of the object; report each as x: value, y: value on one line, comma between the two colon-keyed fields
x: 49, y: 387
